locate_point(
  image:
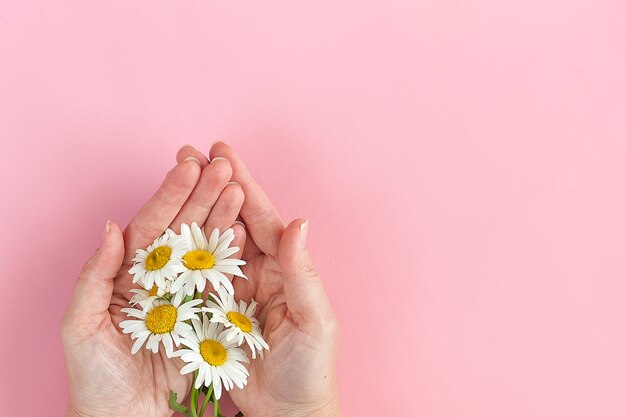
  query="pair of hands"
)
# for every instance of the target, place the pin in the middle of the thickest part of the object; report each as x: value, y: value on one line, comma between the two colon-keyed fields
x: 296, y: 377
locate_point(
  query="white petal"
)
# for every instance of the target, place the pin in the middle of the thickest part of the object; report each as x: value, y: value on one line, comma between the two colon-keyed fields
x: 190, y: 343
x: 168, y: 344
x: 231, y: 261
x: 229, y: 269
x: 223, y: 244
x: 213, y: 240
x: 138, y: 343
x: 178, y: 283
x: 177, y: 299
x: 225, y: 253
x: 201, y: 285
x: 190, y: 367
x: 197, y: 326
x: 217, y: 383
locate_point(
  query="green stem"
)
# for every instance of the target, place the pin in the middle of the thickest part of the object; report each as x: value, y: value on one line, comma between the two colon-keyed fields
x: 216, y: 407
x: 193, y: 401
x: 207, y: 397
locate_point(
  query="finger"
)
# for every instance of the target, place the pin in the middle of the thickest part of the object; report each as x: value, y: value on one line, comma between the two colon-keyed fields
x: 226, y: 208
x: 261, y: 217
x: 162, y: 208
x: 92, y: 293
x: 200, y: 203
x: 187, y: 150
x: 250, y: 250
x: 304, y: 291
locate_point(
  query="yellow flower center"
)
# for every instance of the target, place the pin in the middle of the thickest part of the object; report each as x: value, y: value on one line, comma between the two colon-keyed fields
x: 240, y: 321
x: 199, y: 259
x: 153, y: 291
x: 213, y: 352
x: 161, y: 319
x: 158, y: 258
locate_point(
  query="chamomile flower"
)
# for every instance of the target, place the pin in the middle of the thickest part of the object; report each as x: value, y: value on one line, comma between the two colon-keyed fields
x: 238, y: 319
x: 161, y: 261
x: 207, y: 260
x: 163, y: 322
x: 145, y: 298
x: 217, y: 360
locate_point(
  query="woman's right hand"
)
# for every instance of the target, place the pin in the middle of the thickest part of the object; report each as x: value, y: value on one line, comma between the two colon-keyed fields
x: 104, y: 378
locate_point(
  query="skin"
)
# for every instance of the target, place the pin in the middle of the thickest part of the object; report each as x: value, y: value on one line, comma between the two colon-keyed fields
x: 296, y: 377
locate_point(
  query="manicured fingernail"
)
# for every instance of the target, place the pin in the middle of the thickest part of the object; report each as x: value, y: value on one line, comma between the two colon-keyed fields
x: 191, y: 158
x: 219, y: 157
x: 106, y: 229
x: 241, y: 223
x: 304, y: 229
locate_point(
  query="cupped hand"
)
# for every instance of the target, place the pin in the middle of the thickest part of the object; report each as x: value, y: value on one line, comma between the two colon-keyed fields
x: 297, y: 376
x: 105, y: 379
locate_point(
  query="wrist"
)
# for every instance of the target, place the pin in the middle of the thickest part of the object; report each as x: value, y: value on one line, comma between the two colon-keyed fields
x: 334, y: 411
x: 72, y: 413
x: 332, y: 408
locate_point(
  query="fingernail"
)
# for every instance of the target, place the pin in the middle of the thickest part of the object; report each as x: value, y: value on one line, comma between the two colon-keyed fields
x: 219, y: 157
x: 241, y: 223
x: 234, y: 183
x: 185, y: 145
x: 106, y: 229
x: 191, y: 158
x: 304, y: 229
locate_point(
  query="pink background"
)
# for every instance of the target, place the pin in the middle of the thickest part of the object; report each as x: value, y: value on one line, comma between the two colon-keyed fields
x: 463, y: 165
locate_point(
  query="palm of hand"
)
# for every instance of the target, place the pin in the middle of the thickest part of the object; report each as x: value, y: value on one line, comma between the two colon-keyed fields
x: 291, y: 376
x: 297, y: 376
x: 105, y: 378
x: 136, y: 384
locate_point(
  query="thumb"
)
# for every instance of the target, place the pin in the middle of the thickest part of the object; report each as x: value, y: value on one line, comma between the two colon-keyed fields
x: 304, y: 291
x: 94, y: 287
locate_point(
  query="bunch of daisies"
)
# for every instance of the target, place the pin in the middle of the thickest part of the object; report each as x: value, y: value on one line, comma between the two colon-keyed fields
x: 170, y: 310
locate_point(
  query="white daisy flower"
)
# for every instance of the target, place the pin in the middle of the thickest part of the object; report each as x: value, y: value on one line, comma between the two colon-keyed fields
x: 163, y: 322
x: 207, y: 260
x: 161, y: 261
x: 217, y: 360
x: 239, y: 320
x: 145, y: 298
